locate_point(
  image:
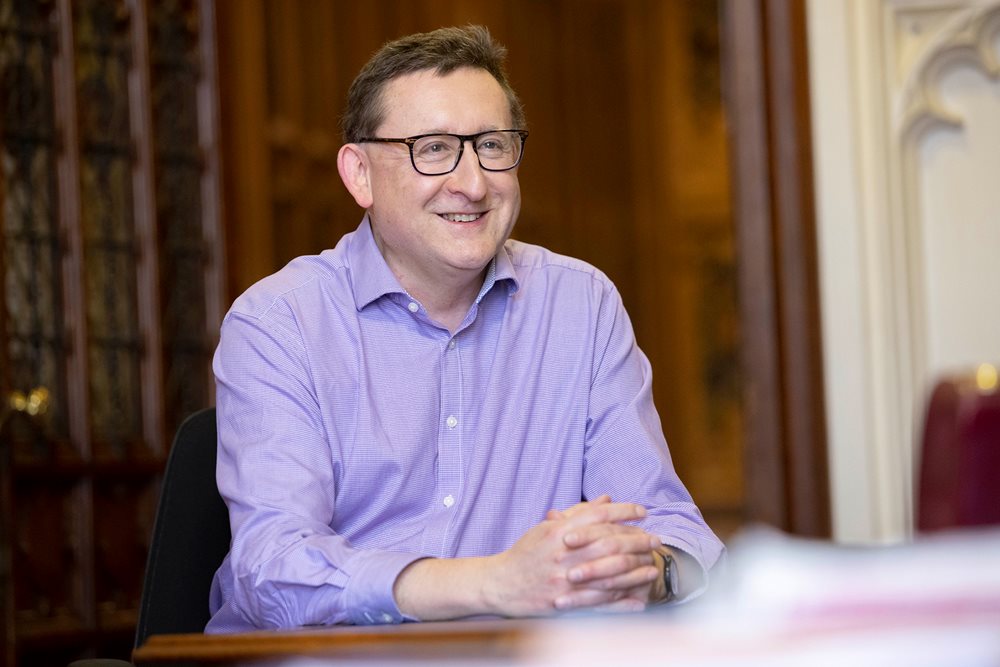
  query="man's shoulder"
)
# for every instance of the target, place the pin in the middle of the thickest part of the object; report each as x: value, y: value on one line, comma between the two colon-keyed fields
x: 304, y: 278
x: 530, y: 259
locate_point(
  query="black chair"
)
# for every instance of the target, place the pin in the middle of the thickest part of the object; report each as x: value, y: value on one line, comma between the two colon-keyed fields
x: 190, y: 537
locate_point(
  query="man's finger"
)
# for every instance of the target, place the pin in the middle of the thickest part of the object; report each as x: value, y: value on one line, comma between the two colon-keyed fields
x: 606, y: 513
x: 554, y: 514
x: 639, y: 539
x: 643, y: 575
x: 628, y: 604
x: 631, y: 569
x: 586, y: 597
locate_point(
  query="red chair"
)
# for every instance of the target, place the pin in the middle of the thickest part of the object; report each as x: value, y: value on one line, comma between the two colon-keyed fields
x: 960, y: 468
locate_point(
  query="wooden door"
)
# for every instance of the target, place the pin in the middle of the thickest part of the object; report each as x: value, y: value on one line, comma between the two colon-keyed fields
x: 111, y: 266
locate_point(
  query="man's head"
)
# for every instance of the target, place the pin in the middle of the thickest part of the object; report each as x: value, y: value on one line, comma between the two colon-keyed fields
x: 435, y: 228
x: 441, y: 51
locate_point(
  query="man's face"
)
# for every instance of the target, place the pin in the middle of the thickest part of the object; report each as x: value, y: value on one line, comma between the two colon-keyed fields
x: 440, y: 228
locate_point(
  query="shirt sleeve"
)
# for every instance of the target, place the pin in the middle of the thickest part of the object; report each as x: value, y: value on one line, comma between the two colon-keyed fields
x: 275, y: 470
x: 626, y: 453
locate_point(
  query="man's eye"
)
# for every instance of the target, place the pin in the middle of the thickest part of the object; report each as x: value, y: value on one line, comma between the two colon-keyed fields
x: 494, y: 144
x: 434, y: 149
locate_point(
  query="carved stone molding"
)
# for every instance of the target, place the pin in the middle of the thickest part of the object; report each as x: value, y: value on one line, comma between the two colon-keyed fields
x: 966, y: 37
x: 925, y: 40
x: 882, y: 83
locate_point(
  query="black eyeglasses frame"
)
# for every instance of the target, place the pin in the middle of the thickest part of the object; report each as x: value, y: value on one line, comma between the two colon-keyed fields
x: 410, y: 141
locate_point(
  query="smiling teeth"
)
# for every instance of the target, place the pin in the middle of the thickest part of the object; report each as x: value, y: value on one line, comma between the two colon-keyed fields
x: 461, y: 217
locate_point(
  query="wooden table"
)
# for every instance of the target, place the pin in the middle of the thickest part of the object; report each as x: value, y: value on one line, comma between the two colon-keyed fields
x: 455, y: 642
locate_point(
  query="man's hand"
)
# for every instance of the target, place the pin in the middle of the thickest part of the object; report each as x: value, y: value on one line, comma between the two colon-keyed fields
x: 618, y: 567
x: 582, y: 557
x: 576, y: 558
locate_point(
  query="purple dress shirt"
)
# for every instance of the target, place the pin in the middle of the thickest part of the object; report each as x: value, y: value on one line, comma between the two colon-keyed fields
x: 356, y: 435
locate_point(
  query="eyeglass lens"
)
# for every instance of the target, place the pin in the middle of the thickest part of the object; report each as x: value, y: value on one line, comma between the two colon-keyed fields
x: 439, y: 153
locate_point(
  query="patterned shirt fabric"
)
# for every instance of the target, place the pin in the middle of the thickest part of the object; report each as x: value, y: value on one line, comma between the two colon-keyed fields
x: 356, y: 435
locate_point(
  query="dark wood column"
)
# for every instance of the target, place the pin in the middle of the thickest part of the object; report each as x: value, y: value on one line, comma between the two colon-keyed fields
x: 767, y: 100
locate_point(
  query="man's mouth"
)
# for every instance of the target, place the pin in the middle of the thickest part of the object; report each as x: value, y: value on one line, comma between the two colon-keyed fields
x: 461, y: 217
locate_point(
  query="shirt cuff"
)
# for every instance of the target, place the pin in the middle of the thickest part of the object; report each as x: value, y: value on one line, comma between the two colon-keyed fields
x: 688, y: 551
x: 368, y: 593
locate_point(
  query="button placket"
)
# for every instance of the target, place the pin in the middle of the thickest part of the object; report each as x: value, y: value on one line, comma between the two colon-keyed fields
x: 450, y: 437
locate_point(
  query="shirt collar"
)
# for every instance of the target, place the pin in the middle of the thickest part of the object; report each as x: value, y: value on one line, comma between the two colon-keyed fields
x: 501, y: 269
x: 372, y: 278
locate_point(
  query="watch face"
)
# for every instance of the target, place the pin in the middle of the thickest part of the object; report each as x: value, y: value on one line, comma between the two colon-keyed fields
x: 672, y: 577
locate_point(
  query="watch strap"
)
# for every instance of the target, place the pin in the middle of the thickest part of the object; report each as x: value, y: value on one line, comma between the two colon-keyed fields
x: 670, y: 581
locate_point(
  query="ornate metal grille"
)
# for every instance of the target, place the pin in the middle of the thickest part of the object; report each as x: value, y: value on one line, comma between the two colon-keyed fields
x: 176, y: 73
x: 107, y: 207
x: 30, y: 243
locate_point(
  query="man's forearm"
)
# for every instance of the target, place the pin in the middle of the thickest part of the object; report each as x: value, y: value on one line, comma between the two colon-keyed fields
x: 437, y: 589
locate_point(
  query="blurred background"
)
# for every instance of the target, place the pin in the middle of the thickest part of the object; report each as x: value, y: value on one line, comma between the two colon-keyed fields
x: 797, y: 201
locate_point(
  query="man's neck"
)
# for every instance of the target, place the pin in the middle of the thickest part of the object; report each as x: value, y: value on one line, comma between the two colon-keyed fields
x: 447, y: 301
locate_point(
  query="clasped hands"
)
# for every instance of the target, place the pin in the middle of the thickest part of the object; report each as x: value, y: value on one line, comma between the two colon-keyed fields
x: 581, y: 557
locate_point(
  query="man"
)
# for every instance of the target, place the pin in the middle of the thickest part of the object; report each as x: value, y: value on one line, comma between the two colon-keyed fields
x: 408, y: 422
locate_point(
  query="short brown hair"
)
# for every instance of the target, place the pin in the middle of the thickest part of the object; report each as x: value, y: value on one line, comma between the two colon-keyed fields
x: 443, y: 50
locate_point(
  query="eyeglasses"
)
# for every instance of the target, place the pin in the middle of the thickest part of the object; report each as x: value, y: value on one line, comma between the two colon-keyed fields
x: 439, y: 154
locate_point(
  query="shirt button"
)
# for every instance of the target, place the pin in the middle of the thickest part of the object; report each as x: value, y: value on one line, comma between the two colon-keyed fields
x: 413, y: 307
x: 386, y: 618
x: 451, y: 345
x: 452, y: 422
x: 449, y: 500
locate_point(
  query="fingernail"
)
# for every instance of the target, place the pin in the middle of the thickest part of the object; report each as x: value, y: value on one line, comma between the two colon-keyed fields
x: 640, y: 511
x: 569, y: 538
x: 574, y: 575
x: 561, y: 602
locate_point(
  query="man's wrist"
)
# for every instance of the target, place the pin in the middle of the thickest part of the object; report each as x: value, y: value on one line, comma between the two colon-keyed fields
x: 659, y: 592
x: 670, y: 582
x: 667, y: 585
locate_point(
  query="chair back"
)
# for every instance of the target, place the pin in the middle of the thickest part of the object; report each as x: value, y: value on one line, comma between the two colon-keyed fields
x: 190, y: 537
x: 960, y: 458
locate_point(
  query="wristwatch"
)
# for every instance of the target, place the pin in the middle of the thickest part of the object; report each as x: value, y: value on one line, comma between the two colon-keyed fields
x: 670, y: 582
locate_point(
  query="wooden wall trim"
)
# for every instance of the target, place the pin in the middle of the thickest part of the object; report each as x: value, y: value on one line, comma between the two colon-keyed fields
x: 213, y: 209
x: 767, y: 102
x: 68, y: 183
x: 241, y: 46
x: 144, y: 198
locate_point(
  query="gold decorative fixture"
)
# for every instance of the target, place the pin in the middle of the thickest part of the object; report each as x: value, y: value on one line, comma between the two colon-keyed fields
x: 35, y: 403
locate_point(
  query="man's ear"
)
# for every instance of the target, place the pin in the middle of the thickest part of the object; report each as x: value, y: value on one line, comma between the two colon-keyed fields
x: 352, y: 163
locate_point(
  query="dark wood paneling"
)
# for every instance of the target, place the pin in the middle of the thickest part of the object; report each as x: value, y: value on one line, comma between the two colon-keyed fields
x: 112, y: 191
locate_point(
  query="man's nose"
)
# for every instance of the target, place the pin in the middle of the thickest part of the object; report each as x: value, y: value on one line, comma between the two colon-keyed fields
x: 469, y: 177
